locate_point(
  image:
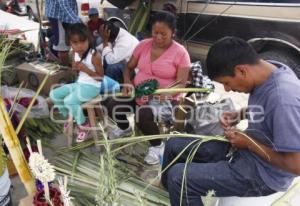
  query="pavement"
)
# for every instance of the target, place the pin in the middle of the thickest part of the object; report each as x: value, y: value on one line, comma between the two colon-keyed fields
x: 9, y: 21
x: 239, y: 100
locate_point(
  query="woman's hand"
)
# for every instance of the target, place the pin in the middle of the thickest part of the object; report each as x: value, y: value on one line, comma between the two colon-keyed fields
x: 127, y: 88
x: 105, y: 34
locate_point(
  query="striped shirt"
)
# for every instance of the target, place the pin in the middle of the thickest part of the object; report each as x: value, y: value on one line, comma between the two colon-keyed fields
x: 65, y: 11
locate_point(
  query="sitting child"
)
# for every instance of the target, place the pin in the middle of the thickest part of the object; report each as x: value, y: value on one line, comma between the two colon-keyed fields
x: 87, y: 62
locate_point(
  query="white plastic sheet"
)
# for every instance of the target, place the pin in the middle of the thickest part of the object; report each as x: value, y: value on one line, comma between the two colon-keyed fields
x: 38, y: 111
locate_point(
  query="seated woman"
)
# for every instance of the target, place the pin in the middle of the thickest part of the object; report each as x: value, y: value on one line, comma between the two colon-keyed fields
x: 116, y: 49
x: 160, y: 58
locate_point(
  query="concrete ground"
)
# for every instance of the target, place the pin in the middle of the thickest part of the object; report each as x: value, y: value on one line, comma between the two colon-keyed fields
x: 8, y: 21
x: 240, y: 100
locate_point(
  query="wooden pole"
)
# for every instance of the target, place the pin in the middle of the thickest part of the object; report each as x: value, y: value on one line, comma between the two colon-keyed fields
x: 13, y: 144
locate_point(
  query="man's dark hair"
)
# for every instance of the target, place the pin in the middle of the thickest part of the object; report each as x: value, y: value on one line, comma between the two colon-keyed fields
x: 114, y: 30
x: 227, y: 53
x: 167, y: 18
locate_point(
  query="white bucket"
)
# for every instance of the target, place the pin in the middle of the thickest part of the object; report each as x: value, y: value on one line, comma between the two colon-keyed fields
x: 5, y: 186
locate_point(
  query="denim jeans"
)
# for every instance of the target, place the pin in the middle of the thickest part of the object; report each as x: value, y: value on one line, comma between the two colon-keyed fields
x: 210, y: 170
x: 144, y: 117
x: 114, y: 71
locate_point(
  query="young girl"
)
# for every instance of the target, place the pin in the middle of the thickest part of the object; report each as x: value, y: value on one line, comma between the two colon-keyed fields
x: 87, y: 63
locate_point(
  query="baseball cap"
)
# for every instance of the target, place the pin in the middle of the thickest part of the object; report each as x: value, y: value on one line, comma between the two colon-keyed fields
x: 93, y: 11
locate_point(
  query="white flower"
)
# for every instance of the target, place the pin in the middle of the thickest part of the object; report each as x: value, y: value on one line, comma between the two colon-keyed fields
x: 41, y: 168
x: 65, y: 194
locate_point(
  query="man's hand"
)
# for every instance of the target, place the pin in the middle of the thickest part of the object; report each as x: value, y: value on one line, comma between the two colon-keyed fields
x: 287, y: 161
x: 237, y: 139
x: 229, y: 119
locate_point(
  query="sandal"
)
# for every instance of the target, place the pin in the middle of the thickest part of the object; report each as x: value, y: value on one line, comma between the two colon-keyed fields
x: 82, y: 132
x: 81, y: 136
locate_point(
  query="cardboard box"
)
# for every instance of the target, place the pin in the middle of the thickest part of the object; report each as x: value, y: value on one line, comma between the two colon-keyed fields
x: 11, y: 168
x: 33, y: 74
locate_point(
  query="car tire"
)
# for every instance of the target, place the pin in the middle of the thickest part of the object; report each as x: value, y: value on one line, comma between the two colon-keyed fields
x: 9, y: 77
x: 283, y: 57
x: 118, y: 24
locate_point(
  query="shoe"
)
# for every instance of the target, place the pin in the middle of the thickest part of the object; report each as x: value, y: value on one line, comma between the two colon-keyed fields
x: 82, y: 136
x: 118, y: 133
x: 154, y: 154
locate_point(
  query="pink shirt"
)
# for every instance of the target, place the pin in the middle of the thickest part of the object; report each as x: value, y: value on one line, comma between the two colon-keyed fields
x: 164, y: 69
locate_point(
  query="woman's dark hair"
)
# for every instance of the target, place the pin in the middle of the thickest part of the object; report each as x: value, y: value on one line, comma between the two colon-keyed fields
x: 170, y: 7
x: 114, y: 30
x: 82, y: 31
x: 226, y: 54
x: 167, y: 18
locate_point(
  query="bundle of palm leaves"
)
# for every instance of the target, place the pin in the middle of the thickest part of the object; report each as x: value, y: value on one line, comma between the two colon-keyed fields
x: 16, y: 52
x: 103, y: 180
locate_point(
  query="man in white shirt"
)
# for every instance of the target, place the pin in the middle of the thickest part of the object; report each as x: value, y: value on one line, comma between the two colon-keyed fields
x: 116, y: 49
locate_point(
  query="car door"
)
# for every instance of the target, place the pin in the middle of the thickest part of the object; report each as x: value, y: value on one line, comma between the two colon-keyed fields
x: 207, y: 21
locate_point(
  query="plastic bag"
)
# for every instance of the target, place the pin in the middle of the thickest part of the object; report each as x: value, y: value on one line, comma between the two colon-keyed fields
x: 40, y: 108
x: 205, y: 118
x: 108, y: 85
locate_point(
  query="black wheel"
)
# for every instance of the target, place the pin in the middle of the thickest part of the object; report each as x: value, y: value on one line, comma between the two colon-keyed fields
x: 284, y: 57
x: 118, y: 24
x: 33, y: 80
x: 9, y: 77
x: 120, y: 4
